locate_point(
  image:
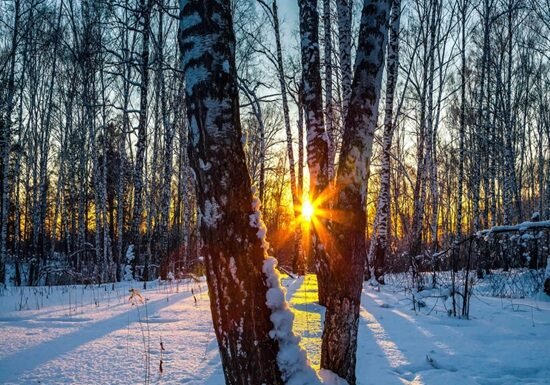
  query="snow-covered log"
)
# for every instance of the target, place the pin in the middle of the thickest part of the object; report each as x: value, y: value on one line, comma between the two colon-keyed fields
x: 524, y: 226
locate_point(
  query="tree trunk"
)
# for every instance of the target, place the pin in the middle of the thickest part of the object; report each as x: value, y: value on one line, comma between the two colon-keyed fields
x: 347, y: 245
x: 234, y: 249
x: 145, y: 12
x: 5, y: 145
x: 168, y: 153
x: 378, y: 246
x: 343, y: 8
x: 329, y: 113
x: 317, y: 140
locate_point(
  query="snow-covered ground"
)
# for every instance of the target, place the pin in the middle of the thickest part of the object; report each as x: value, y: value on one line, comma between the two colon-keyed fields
x: 95, y: 335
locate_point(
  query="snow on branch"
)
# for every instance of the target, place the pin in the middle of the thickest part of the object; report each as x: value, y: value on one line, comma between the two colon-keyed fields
x: 525, y: 226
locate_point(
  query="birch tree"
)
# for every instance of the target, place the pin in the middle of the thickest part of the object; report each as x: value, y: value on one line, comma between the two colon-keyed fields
x: 347, y: 252
x: 344, y: 247
x: 145, y: 9
x: 5, y: 138
x: 379, y: 244
x: 344, y: 11
x: 317, y: 142
x: 231, y: 225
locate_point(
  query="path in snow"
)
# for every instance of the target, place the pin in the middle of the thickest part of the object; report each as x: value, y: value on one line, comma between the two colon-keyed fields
x: 505, y: 342
x: 302, y: 296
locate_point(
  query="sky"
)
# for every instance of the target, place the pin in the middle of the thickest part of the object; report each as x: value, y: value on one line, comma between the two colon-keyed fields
x: 288, y: 14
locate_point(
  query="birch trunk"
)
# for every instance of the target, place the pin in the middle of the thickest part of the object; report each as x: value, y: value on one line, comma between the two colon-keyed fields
x: 379, y: 243
x: 343, y: 8
x: 347, y: 245
x: 5, y: 136
x: 168, y: 150
x: 317, y: 140
x: 145, y: 12
x: 233, y: 247
x: 329, y: 113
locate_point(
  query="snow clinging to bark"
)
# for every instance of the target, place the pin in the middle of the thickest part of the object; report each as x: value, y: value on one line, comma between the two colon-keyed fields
x: 192, y: 20
x: 255, y: 220
x: 211, y: 213
x: 291, y: 358
x: 330, y: 378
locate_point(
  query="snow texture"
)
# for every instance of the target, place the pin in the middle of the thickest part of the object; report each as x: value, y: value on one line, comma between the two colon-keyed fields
x: 211, y: 213
x: 255, y: 220
x: 292, y: 359
x: 331, y: 378
x: 130, y: 255
x: 92, y: 335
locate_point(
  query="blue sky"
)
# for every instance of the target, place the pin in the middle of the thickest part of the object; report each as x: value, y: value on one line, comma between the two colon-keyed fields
x: 288, y: 13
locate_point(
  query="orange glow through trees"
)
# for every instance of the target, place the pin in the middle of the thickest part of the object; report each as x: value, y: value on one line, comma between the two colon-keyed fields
x: 308, y: 211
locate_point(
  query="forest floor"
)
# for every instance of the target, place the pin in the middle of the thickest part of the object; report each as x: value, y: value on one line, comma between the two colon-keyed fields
x: 94, y: 335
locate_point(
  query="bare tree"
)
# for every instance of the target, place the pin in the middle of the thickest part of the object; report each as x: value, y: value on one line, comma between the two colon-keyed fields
x: 379, y: 244
x: 231, y: 226
x: 317, y: 139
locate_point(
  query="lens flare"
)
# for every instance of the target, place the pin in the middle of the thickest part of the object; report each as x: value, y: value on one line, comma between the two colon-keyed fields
x: 308, y: 211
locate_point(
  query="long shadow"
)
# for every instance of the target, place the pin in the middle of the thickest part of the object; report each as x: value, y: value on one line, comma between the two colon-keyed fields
x: 13, y: 366
x: 61, y: 306
x: 372, y: 355
x: 420, y: 350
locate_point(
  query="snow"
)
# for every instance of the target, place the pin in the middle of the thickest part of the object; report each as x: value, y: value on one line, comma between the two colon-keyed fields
x: 502, y: 344
x: 127, y: 272
x: 291, y: 358
x: 225, y: 66
x: 211, y: 213
x: 93, y: 335
x: 524, y: 226
x: 331, y: 378
x: 205, y: 166
x: 195, y: 74
x: 189, y: 21
x: 255, y: 220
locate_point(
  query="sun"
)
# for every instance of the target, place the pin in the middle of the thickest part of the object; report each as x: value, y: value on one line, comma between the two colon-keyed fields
x: 308, y: 211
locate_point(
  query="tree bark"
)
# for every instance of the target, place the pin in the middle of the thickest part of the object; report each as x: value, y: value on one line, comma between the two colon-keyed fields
x: 5, y: 137
x: 233, y: 248
x: 169, y: 132
x: 344, y: 8
x: 378, y: 246
x: 145, y: 12
x: 329, y: 113
x: 347, y: 246
x: 317, y: 140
